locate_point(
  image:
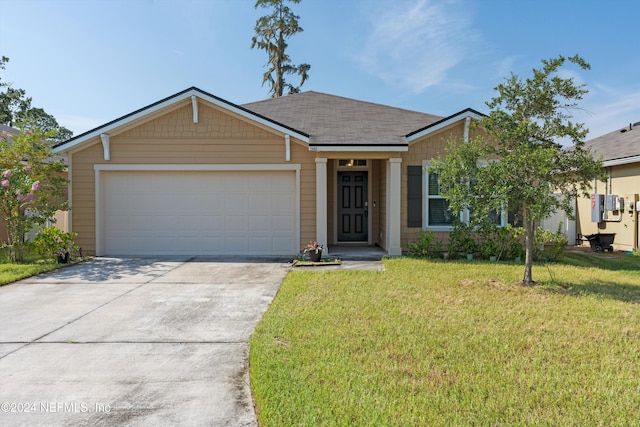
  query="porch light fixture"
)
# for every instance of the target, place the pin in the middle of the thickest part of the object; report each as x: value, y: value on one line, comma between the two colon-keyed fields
x: 352, y: 162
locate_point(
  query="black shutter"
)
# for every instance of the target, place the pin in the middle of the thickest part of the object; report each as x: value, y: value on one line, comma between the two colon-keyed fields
x: 414, y: 196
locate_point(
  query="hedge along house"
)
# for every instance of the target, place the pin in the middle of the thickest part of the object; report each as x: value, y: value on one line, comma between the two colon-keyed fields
x: 195, y: 174
x: 614, y: 205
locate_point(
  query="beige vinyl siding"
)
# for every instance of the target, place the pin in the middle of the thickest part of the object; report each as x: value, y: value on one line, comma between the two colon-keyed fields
x: 625, y: 179
x: 430, y: 147
x: 173, y: 138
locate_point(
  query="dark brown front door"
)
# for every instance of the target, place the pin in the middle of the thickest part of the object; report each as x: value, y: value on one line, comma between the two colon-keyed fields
x: 353, y: 208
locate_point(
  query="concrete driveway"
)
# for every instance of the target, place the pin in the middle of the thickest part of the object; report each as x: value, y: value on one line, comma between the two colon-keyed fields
x: 133, y: 342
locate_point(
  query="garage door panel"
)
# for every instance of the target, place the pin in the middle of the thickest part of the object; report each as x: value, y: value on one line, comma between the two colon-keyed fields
x: 149, y: 213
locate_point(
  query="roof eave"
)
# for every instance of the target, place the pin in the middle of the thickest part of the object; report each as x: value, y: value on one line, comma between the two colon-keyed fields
x: 621, y: 161
x: 362, y: 148
x: 440, y: 124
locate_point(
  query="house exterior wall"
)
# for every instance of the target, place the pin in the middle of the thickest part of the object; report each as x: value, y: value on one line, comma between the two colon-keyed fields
x: 430, y: 147
x: 172, y: 138
x: 624, y: 179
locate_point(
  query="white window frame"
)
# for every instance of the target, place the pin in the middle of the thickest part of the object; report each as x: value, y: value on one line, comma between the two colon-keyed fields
x: 426, y: 197
x: 464, y: 215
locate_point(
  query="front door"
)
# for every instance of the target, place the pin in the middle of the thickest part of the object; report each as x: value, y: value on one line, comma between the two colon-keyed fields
x: 353, y: 208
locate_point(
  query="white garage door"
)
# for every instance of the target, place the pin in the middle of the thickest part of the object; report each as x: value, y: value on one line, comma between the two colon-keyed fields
x: 198, y: 213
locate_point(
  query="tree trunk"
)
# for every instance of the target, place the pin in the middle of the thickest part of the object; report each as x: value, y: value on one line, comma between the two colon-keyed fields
x: 529, y: 227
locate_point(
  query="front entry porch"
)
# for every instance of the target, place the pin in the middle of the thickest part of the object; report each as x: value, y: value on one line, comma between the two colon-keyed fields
x: 358, y: 204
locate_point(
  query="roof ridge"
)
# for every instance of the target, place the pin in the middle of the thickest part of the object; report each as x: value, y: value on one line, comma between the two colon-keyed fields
x: 313, y: 92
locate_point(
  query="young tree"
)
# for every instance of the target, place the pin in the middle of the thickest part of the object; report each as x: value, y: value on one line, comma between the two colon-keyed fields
x: 31, y: 185
x: 527, y: 120
x: 272, y: 32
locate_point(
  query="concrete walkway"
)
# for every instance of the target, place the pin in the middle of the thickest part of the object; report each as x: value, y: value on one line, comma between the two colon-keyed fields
x: 133, y: 342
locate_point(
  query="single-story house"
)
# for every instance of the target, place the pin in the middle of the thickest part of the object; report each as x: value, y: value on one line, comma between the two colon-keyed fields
x: 196, y: 174
x: 614, y: 205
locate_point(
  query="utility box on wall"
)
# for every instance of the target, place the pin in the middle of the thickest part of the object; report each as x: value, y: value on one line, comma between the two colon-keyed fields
x: 630, y: 202
x: 597, y: 207
x: 612, y: 202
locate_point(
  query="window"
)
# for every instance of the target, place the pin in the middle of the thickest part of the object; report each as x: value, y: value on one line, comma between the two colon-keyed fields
x: 438, y: 213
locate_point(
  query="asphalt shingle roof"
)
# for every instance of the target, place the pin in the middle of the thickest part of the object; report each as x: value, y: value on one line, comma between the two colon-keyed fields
x: 617, y: 144
x: 335, y: 120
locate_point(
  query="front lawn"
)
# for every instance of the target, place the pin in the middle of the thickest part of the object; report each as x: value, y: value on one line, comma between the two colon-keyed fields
x: 452, y: 343
x: 32, y: 266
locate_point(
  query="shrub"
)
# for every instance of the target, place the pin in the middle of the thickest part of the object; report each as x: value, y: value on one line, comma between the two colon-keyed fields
x: 424, y: 247
x: 549, y: 245
x: 51, y: 241
x: 461, y: 240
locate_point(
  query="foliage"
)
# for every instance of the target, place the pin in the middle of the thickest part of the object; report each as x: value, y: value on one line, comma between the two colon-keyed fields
x: 31, y: 186
x: 425, y: 247
x: 501, y: 241
x: 527, y: 121
x: 461, y: 240
x: 51, y: 241
x: 549, y: 245
x: 272, y: 33
x: 446, y: 344
x: 16, y: 111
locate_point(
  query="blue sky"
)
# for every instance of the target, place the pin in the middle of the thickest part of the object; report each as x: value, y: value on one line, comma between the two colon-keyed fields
x: 87, y: 62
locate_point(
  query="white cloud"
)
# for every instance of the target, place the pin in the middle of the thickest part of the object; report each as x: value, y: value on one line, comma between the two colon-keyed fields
x: 416, y: 43
x: 610, y: 109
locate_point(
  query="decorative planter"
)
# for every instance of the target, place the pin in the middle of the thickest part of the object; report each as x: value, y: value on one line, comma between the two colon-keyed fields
x: 315, y: 255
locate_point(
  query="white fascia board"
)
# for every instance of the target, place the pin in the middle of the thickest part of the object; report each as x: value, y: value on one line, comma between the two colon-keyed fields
x: 365, y: 149
x: 187, y: 95
x: 197, y: 167
x: 623, y: 161
x: 444, y: 124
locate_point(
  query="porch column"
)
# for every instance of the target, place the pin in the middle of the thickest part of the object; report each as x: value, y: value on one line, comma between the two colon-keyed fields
x: 321, y: 203
x: 393, y: 207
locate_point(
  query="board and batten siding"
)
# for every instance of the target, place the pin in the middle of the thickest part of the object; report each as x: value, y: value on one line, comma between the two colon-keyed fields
x: 172, y: 138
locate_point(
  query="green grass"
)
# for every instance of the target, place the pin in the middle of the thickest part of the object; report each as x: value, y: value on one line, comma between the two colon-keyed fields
x: 32, y: 266
x: 452, y: 343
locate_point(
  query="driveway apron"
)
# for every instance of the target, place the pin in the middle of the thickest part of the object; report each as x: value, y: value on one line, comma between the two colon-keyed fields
x: 137, y: 341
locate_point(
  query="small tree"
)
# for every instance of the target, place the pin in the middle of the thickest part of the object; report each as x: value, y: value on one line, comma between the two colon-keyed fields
x: 526, y: 122
x: 272, y: 32
x: 31, y: 186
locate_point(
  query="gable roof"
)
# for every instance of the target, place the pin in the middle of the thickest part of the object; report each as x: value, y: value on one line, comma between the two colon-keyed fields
x: 342, y: 122
x: 617, y: 147
x: 326, y: 122
x: 172, y: 100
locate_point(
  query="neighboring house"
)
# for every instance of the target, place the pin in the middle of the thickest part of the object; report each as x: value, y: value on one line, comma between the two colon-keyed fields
x: 195, y: 174
x: 620, y: 152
